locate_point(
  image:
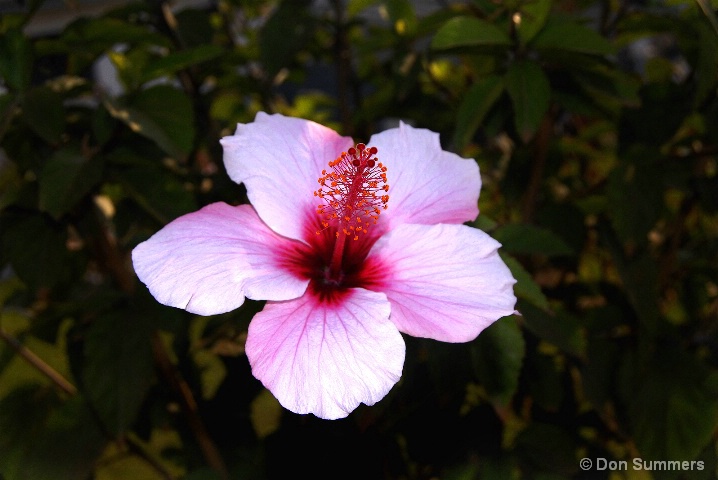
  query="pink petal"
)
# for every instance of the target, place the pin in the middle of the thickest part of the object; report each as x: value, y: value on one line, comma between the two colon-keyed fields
x: 326, y: 356
x: 206, y: 262
x: 445, y: 282
x: 427, y: 185
x: 280, y: 159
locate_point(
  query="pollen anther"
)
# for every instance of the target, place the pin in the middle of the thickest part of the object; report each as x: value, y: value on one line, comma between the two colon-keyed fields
x: 353, y: 191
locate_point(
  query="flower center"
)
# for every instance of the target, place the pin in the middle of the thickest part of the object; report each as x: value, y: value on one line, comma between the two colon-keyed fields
x: 354, y: 194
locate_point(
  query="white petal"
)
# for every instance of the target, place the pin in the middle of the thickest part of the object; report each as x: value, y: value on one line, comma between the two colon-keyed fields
x: 280, y: 159
x: 326, y: 357
x: 427, y: 185
x: 206, y: 262
x: 445, y: 282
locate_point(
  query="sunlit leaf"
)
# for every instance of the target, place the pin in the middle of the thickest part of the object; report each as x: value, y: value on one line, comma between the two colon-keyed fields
x: 266, y: 414
x: 401, y: 14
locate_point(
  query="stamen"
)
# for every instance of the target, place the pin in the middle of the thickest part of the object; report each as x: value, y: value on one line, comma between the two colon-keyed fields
x: 353, y: 191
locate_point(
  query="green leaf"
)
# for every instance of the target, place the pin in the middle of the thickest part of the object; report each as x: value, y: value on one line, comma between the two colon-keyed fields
x: 640, y: 280
x: 497, y: 355
x: 10, y: 184
x: 158, y: 192
x: 69, y: 446
x: 706, y: 64
x: 130, y: 66
x: 266, y: 414
x: 402, y: 16
x: 476, y: 104
x: 533, y: 17
x: 469, y: 32
x: 354, y: 7
x: 161, y: 113
x: 566, y: 35
x: 18, y: 373
x: 96, y: 35
x: 673, y: 405
x: 286, y: 32
x: 8, y: 287
x: 205, y: 473
x: 65, y: 179
x: 15, y: 59
x: 43, y: 112
x: 607, y: 88
x: 547, y: 448
x: 530, y: 93
x: 525, y: 286
x: 195, y: 26
x: 119, y: 368
x: 524, y: 239
x: 635, y: 195
x: 558, y: 328
x: 35, y: 247
x: 23, y: 414
x: 177, y: 61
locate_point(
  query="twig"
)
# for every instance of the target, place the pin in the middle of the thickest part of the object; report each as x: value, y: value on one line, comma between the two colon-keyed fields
x: 189, y: 406
x: 39, y: 364
x: 135, y: 446
x: 541, y: 144
x: 708, y: 12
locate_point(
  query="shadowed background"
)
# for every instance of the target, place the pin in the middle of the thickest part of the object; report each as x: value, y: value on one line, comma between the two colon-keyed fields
x: 595, y: 127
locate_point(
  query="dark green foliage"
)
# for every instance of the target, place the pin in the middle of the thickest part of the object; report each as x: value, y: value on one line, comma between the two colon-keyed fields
x: 600, y: 179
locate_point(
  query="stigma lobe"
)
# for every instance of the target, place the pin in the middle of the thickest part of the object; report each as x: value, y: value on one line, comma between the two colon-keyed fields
x: 353, y: 191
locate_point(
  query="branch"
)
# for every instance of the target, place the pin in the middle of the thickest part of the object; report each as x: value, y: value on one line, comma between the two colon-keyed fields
x: 189, y: 407
x: 541, y: 145
x: 38, y: 363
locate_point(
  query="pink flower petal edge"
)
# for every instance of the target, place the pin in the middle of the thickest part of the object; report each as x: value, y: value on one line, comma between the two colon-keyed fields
x: 427, y: 184
x: 208, y: 261
x: 445, y: 282
x: 326, y: 357
x: 280, y: 159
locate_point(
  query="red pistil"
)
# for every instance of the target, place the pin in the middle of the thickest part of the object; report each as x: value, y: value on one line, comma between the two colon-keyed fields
x: 354, y: 192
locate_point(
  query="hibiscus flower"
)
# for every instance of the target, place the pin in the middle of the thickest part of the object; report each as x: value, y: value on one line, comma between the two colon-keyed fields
x: 349, y: 244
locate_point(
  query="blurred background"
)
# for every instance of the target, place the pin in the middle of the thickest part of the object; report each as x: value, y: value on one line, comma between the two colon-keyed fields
x: 594, y: 123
